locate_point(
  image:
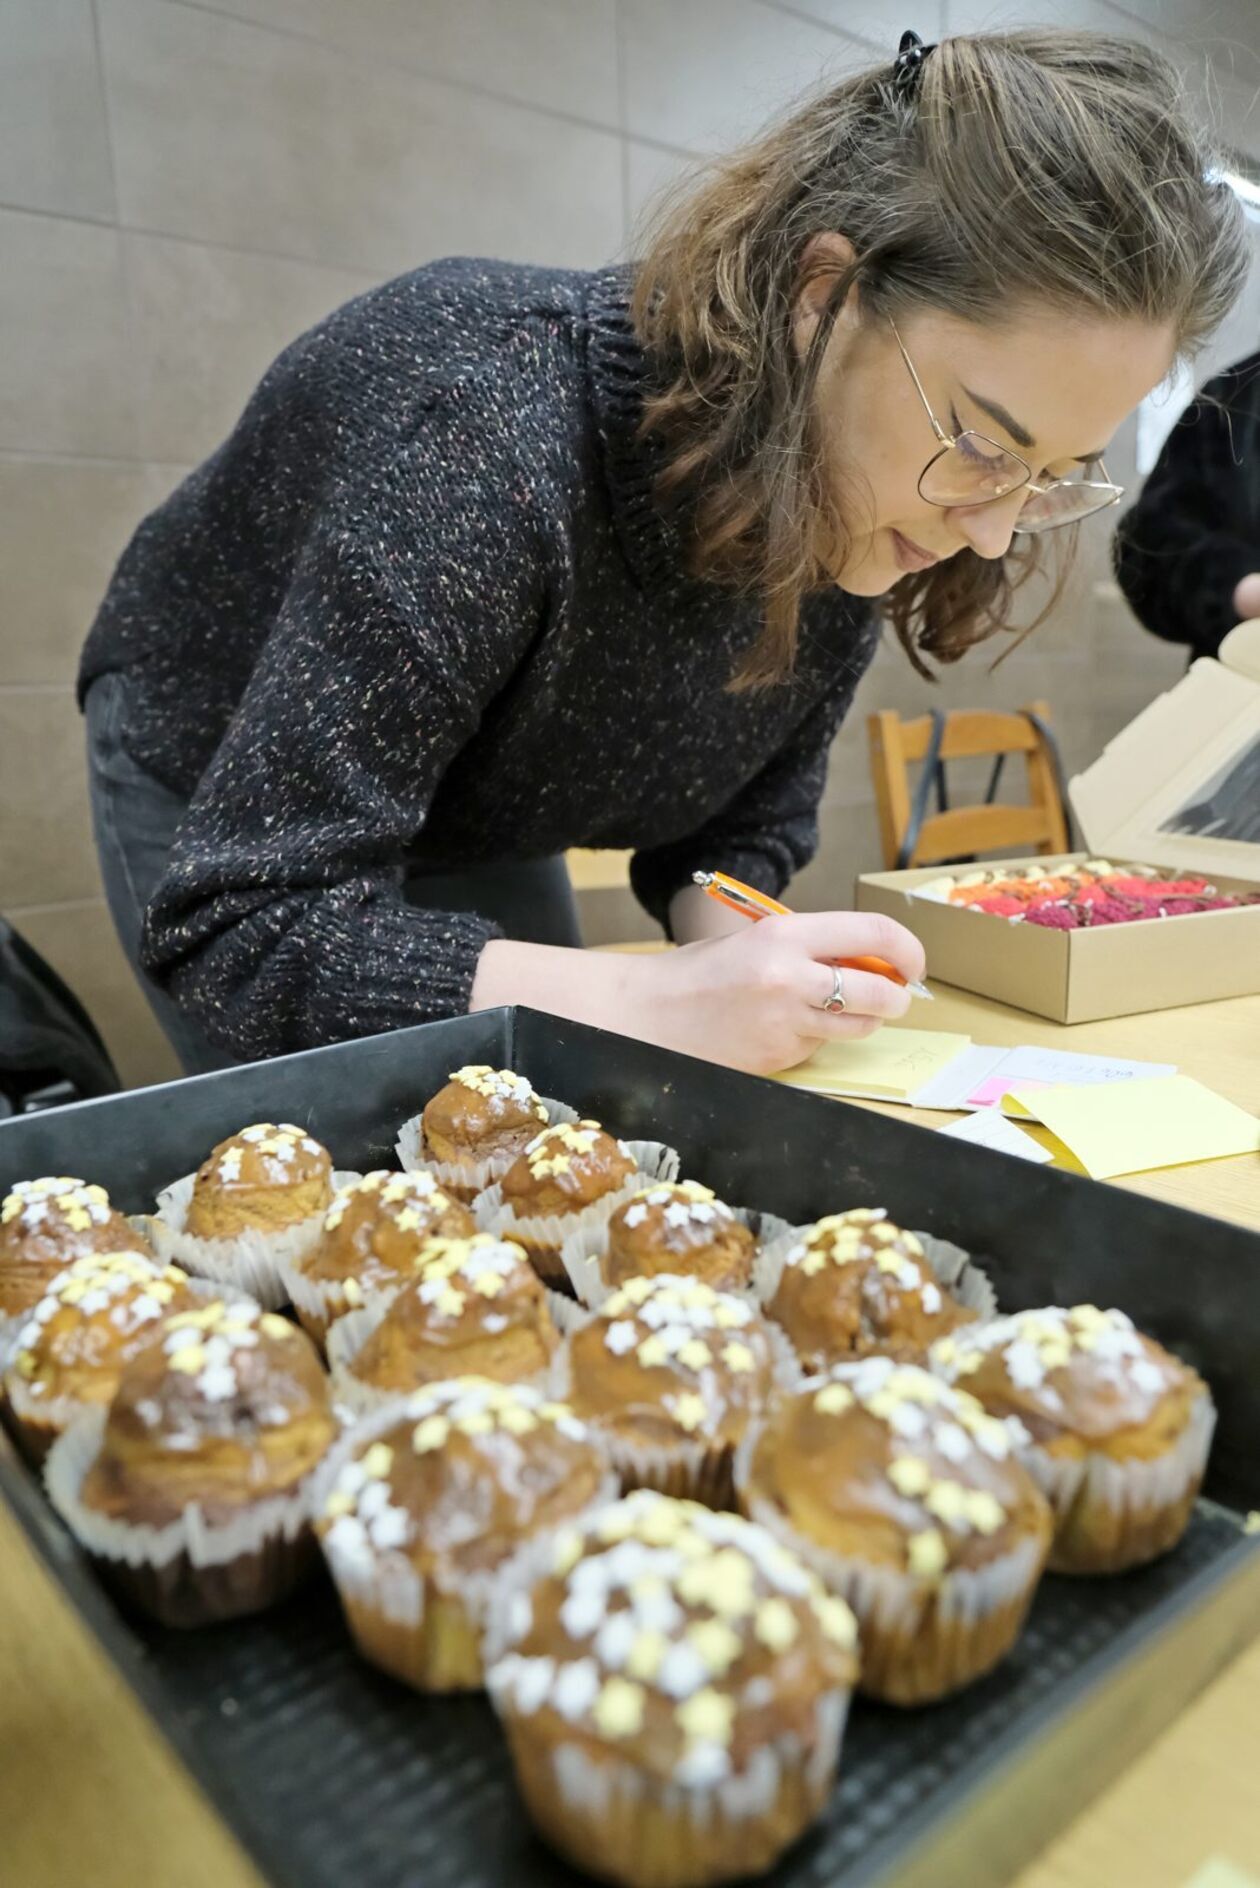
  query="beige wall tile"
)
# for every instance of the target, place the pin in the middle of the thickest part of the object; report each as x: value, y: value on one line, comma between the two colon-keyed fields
x: 652, y: 174
x: 227, y: 133
x: 46, y: 849
x: 208, y: 322
x: 701, y: 74
x: 63, y: 523
x: 63, y: 362
x: 870, y: 19
x: 1096, y: 16
x: 560, y: 54
x: 80, y: 943
x: 54, y: 150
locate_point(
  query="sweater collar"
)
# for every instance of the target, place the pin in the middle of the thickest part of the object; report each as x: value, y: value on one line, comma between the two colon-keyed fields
x: 620, y: 379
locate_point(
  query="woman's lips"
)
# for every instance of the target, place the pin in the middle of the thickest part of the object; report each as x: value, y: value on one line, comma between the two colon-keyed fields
x: 909, y: 555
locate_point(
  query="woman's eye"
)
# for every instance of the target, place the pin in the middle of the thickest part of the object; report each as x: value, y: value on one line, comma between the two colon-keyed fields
x: 974, y: 449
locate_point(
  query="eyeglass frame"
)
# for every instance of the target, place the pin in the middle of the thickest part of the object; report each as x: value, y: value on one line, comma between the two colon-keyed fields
x: 1028, y: 483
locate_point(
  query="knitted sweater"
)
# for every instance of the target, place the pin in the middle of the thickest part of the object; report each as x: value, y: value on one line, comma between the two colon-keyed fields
x: 420, y: 611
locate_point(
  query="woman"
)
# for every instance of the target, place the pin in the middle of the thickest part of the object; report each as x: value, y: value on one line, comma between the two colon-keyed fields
x: 502, y: 560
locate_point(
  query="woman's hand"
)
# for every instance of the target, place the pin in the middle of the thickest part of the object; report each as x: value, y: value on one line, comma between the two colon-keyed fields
x: 753, y: 1000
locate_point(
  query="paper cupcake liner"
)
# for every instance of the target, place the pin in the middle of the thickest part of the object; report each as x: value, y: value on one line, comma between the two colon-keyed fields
x: 1114, y: 1514
x: 630, y: 1826
x: 191, y: 1571
x: 464, y: 1179
x: 585, y: 1246
x: 952, y: 1268
x: 920, y: 1639
x: 420, y: 1630
x: 249, y: 1260
x: 37, y: 1421
x: 543, y: 1235
x: 346, y: 1339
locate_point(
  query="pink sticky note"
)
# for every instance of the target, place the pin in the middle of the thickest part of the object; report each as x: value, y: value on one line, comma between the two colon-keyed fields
x: 990, y: 1093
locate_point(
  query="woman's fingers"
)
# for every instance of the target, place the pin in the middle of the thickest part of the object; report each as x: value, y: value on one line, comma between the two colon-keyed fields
x: 864, y: 993
x: 833, y: 934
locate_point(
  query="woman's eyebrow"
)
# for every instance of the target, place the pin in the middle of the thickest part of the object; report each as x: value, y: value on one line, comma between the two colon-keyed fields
x: 1018, y: 433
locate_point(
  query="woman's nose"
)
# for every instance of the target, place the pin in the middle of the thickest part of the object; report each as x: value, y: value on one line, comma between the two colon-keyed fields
x: 989, y: 528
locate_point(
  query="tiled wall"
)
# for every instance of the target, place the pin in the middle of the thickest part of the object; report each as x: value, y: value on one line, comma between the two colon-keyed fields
x: 185, y: 184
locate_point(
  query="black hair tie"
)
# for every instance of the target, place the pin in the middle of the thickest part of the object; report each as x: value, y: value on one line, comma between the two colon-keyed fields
x: 909, y: 62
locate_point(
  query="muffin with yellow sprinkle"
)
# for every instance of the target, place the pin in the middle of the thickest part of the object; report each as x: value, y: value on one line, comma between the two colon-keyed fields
x: 67, y: 1353
x: 670, y: 1373
x: 474, y: 1307
x: 44, y: 1225
x: 567, y: 1182
x: 679, y: 1227
x: 911, y: 1503
x: 371, y: 1242
x: 471, y: 1131
x: 256, y: 1203
x: 1118, y: 1428
x: 855, y: 1284
x: 674, y: 1685
x: 424, y: 1504
x: 192, y: 1491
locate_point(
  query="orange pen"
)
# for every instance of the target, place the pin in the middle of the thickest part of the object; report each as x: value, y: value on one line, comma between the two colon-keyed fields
x: 754, y: 904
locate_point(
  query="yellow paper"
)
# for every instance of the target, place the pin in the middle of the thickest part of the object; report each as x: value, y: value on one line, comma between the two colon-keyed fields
x: 890, y: 1065
x: 1128, y: 1127
x: 1219, y: 1872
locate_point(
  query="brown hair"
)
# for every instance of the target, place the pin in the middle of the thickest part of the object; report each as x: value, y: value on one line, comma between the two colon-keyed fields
x: 1035, y: 167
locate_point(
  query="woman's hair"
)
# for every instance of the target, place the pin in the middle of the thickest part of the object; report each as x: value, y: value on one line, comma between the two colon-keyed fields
x: 1033, y: 168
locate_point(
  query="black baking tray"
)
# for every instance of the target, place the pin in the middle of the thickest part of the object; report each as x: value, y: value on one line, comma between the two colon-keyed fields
x: 331, y: 1774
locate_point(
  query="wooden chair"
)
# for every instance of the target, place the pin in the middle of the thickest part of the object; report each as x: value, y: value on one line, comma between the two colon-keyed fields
x: 964, y: 831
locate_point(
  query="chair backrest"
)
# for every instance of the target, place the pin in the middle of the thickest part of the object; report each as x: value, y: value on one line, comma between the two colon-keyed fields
x: 963, y: 831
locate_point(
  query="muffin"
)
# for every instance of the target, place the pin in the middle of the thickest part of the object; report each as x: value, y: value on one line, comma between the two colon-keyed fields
x: 1120, y: 1430
x: 681, y: 1228
x: 474, y: 1128
x: 854, y: 1285
x: 370, y: 1243
x: 68, y: 1352
x: 254, y: 1206
x: 669, y: 1373
x: 910, y: 1502
x: 425, y: 1503
x: 264, y: 1179
x: 44, y: 1226
x: 565, y: 1173
x: 191, y: 1491
x: 474, y: 1309
x: 673, y: 1685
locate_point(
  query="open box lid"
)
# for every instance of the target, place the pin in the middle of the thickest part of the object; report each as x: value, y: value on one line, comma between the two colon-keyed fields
x: 1180, y: 786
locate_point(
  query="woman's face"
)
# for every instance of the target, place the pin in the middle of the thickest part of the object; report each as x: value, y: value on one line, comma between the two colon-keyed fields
x: 1052, y: 389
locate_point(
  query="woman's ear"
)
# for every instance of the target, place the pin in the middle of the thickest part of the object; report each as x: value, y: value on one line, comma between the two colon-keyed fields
x: 824, y: 259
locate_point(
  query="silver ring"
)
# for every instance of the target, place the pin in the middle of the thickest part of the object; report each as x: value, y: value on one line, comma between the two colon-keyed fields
x: 835, y: 1004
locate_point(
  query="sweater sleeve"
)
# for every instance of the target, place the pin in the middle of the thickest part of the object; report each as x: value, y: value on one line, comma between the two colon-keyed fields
x: 1182, y: 548
x: 764, y: 835
x: 280, y: 922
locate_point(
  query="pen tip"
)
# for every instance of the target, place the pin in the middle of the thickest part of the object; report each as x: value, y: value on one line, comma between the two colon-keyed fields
x: 920, y: 989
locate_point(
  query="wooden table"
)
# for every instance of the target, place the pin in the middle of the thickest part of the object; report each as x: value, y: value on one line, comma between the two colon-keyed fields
x: 90, y: 1793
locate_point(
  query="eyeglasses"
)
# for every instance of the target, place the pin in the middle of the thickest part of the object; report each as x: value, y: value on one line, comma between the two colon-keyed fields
x: 972, y: 469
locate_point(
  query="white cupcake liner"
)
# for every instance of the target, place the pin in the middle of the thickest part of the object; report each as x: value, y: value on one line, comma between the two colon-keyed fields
x: 346, y: 1339
x: 1129, y: 1493
x: 585, y: 1246
x: 41, y: 1419
x: 654, y: 1162
x: 386, y: 1581
x: 249, y: 1260
x: 474, y: 1175
x: 566, y: 1314
x: 954, y: 1270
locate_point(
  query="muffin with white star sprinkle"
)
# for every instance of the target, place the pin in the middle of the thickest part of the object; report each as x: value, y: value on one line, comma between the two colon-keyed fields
x: 910, y: 1502
x: 47, y: 1223
x: 65, y: 1355
x: 192, y: 1491
x: 673, y: 1684
x: 471, y: 1131
x: 371, y: 1242
x: 423, y: 1505
x: 679, y: 1227
x: 669, y: 1374
x: 1119, y: 1429
x: 566, y: 1183
x: 474, y: 1308
x: 256, y: 1203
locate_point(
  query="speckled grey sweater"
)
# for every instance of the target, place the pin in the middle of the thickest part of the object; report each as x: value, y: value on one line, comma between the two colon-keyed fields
x: 420, y: 611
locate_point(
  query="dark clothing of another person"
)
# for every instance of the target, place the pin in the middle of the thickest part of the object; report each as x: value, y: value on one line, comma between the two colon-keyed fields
x: 421, y: 613
x: 1194, y: 532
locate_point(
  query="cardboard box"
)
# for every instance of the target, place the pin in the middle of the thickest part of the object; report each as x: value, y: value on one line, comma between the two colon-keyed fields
x: 1178, y: 788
